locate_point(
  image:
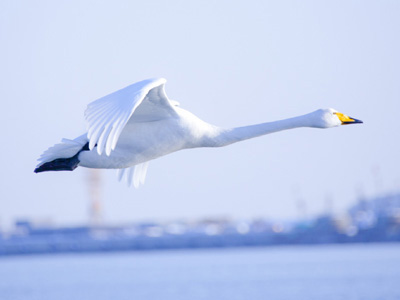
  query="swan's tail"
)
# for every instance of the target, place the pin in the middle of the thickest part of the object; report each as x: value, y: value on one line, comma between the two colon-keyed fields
x: 63, y: 156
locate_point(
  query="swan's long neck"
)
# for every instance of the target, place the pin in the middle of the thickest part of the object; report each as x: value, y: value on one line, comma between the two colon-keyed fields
x: 229, y: 136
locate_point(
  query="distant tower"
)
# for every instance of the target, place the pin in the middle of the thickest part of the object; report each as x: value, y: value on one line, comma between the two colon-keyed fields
x: 376, y: 173
x: 329, y: 204
x: 301, y: 206
x: 301, y: 203
x: 95, y: 208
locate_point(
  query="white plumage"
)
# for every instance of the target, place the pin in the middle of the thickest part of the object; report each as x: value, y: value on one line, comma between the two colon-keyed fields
x: 130, y: 127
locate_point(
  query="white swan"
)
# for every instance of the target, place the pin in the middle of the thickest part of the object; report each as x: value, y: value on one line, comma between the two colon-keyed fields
x: 134, y: 125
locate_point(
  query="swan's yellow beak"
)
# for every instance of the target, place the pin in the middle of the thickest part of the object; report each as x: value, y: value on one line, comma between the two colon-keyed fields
x: 346, y: 119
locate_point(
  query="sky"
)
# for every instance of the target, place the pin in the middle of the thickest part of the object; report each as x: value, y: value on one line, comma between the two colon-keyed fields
x: 231, y: 63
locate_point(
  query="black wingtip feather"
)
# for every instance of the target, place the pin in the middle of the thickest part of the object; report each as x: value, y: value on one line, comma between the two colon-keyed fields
x: 62, y: 164
x: 59, y: 164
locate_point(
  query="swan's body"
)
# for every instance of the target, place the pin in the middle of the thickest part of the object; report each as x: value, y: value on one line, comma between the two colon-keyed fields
x: 143, y: 141
x: 139, y: 123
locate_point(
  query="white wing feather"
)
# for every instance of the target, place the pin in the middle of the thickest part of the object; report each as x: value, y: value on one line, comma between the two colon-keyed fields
x: 120, y: 174
x: 135, y: 175
x: 107, y: 116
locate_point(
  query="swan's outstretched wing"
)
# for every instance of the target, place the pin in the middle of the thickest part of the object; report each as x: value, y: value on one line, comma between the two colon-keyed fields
x: 140, y: 102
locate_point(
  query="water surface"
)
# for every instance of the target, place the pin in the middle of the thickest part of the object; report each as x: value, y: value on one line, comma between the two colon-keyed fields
x: 359, y: 272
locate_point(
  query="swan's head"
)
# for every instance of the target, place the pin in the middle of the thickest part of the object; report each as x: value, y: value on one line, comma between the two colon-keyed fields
x: 329, y: 117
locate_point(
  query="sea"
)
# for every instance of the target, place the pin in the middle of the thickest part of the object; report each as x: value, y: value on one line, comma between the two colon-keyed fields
x: 328, y: 272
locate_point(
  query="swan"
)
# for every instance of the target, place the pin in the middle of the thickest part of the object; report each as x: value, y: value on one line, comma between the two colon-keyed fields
x: 130, y: 127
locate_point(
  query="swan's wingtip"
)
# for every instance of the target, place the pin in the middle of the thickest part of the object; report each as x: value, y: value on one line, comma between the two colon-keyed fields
x: 161, y: 79
x: 157, y: 80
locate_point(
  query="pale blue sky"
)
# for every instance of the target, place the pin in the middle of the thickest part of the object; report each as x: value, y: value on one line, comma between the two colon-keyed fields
x: 232, y: 63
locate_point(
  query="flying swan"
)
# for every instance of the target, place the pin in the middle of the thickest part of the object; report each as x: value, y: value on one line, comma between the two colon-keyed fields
x: 130, y: 127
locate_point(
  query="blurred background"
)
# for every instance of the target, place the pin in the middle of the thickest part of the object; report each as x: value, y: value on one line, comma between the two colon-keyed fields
x: 232, y: 63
